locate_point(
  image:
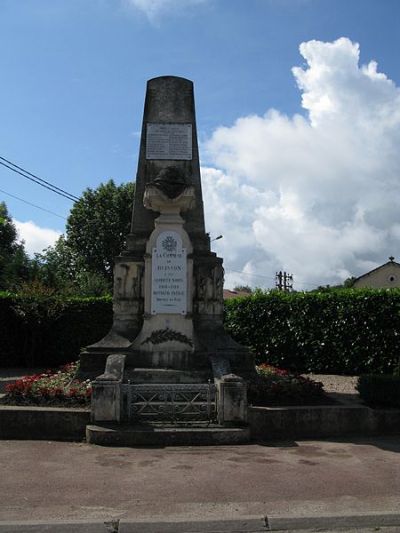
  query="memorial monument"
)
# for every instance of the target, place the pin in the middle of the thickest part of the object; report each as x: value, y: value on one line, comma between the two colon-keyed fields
x: 167, y: 358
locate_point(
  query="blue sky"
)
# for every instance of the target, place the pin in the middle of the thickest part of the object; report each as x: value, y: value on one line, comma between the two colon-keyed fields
x: 71, y: 102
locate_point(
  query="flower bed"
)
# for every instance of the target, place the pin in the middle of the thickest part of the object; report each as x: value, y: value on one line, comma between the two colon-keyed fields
x: 277, y: 387
x: 271, y: 387
x: 56, y: 388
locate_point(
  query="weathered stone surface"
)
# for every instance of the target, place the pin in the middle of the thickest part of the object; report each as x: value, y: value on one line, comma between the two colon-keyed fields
x: 115, y: 367
x: 106, y: 401
x: 116, y: 435
x: 169, y: 99
x: 106, y: 390
x: 232, y: 395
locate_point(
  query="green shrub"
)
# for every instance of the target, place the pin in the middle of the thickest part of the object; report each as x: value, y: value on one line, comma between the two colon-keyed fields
x: 379, y: 390
x: 45, y: 330
x: 348, y: 331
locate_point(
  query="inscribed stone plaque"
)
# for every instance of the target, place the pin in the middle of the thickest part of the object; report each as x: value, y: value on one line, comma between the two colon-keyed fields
x: 169, y: 272
x: 169, y: 141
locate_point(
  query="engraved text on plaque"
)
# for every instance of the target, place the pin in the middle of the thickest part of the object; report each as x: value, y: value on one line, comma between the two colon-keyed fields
x: 169, y: 274
x: 169, y: 141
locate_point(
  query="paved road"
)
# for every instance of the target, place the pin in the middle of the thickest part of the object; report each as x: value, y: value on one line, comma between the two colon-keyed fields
x: 57, y: 481
x: 181, y: 527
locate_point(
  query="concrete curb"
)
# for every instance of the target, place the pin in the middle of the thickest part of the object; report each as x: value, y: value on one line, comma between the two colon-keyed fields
x: 266, y: 423
x: 43, y: 423
x: 332, y: 522
x: 246, y: 525
x: 251, y: 525
x: 321, y: 421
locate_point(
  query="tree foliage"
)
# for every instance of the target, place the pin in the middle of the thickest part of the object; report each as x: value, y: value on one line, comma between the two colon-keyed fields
x: 82, y: 260
x: 243, y: 288
x: 14, y: 262
x: 98, y: 224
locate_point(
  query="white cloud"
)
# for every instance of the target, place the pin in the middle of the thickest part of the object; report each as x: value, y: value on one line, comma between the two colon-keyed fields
x: 36, y: 239
x: 317, y: 196
x: 153, y: 9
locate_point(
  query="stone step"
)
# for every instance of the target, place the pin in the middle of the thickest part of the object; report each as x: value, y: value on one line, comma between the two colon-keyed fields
x: 165, y: 435
x: 188, y: 360
x: 166, y: 375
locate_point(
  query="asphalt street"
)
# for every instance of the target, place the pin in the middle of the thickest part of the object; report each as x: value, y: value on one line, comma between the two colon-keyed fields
x: 289, y: 486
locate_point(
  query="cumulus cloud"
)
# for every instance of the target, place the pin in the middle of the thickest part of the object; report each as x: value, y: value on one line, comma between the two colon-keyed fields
x: 153, y: 9
x: 317, y: 195
x: 36, y: 239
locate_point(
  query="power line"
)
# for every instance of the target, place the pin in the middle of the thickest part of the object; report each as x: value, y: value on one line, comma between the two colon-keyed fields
x: 34, y: 205
x: 270, y: 278
x: 248, y: 274
x: 39, y: 181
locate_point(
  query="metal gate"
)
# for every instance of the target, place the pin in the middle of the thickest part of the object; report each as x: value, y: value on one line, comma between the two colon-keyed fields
x: 170, y: 403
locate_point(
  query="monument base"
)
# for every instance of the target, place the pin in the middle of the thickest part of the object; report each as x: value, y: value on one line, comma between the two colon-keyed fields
x: 156, y: 435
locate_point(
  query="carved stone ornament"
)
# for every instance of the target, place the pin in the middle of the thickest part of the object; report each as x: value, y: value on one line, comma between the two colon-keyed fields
x: 163, y: 335
x: 171, y: 181
x: 156, y: 200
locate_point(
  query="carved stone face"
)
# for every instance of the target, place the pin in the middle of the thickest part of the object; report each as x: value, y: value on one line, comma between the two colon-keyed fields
x: 171, y: 181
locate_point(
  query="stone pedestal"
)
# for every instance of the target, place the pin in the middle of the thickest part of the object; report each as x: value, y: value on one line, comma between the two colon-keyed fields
x: 107, y: 392
x: 167, y: 327
x: 232, y: 400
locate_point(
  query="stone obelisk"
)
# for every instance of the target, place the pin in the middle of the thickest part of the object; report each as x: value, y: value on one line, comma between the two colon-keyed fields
x: 168, y: 285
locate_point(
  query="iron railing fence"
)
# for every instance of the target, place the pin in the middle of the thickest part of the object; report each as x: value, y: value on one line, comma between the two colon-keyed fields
x: 175, y: 403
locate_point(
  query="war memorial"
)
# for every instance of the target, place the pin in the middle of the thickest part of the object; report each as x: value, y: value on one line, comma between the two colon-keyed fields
x: 167, y: 371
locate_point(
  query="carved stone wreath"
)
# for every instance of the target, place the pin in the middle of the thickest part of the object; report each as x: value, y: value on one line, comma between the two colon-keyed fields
x: 162, y: 335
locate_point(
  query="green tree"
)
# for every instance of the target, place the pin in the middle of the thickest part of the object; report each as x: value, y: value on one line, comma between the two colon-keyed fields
x: 98, y: 224
x: 243, y: 288
x: 14, y: 262
x: 8, y: 232
x: 82, y: 260
x: 349, y: 282
x: 58, y: 266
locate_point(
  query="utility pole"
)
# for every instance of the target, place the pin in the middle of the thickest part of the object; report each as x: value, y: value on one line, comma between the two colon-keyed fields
x: 284, y: 281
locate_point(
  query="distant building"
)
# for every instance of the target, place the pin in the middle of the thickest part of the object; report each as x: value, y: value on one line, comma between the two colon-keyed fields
x: 386, y: 276
x: 234, y: 294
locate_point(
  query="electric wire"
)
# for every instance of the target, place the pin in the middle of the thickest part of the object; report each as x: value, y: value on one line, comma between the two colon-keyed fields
x: 36, y: 179
x: 269, y: 277
x: 33, y: 205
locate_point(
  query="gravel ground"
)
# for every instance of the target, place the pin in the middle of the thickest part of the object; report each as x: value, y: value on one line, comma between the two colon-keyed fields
x: 342, y: 389
x: 338, y: 384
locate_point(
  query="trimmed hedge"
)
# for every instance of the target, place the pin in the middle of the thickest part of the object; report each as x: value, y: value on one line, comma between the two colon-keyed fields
x: 49, y: 331
x: 348, y: 331
x: 380, y: 390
